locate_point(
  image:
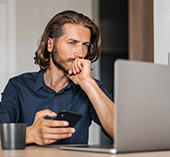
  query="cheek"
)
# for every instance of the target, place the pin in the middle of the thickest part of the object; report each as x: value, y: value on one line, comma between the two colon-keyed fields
x: 64, y: 52
x: 85, y: 51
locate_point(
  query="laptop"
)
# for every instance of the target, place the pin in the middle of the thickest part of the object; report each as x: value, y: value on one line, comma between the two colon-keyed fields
x: 142, y: 109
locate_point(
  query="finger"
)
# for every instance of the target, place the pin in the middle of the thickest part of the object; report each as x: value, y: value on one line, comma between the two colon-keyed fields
x: 74, y: 67
x: 46, y: 142
x: 79, y: 64
x: 58, y: 130
x: 55, y: 123
x: 70, y: 72
x: 56, y: 136
x: 77, y: 67
x: 44, y: 113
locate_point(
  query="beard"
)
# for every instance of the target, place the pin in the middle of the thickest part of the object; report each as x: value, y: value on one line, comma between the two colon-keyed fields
x: 59, y: 62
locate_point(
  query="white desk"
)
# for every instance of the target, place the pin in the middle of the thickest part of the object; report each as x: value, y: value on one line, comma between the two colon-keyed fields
x: 53, y: 151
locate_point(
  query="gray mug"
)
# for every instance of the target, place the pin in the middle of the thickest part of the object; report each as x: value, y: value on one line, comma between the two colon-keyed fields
x: 13, y: 135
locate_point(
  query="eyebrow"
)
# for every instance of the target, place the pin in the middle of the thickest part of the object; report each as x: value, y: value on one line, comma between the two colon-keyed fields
x: 87, y: 42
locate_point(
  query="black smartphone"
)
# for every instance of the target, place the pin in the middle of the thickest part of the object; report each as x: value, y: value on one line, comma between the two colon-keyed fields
x: 70, y: 116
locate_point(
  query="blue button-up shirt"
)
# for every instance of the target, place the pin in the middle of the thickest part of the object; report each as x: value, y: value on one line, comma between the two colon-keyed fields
x: 27, y: 94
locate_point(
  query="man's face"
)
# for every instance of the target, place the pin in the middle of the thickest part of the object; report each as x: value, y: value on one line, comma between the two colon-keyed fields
x: 74, y: 43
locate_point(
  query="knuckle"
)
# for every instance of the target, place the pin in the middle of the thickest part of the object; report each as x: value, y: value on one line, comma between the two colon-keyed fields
x: 47, y: 110
x: 88, y: 61
x: 52, y: 123
x: 43, y: 131
x: 68, y: 135
x: 45, y: 142
x: 44, y: 136
x: 58, y: 131
x: 60, y: 136
x: 37, y: 114
x: 65, y: 136
x: 40, y: 113
x: 60, y: 123
x: 63, y: 130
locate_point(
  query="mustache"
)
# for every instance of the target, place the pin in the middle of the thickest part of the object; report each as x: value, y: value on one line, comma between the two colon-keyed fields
x: 71, y: 59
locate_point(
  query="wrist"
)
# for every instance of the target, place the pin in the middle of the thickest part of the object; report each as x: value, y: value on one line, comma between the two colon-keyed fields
x: 28, y: 137
x: 87, y: 83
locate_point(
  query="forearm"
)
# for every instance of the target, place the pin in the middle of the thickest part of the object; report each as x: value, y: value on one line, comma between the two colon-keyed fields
x: 102, y: 104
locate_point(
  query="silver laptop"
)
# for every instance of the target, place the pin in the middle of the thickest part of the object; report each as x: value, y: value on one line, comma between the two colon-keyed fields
x: 142, y: 108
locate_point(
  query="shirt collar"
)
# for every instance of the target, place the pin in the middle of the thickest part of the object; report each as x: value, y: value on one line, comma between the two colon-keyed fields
x: 40, y: 80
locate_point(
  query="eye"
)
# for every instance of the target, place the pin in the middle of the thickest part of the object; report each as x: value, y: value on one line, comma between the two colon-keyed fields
x: 86, y: 45
x: 71, y: 43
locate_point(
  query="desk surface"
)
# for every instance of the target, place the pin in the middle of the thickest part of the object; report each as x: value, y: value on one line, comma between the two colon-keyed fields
x: 52, y: 151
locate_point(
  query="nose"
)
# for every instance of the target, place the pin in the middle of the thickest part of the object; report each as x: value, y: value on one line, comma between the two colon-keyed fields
x: 79, y: 51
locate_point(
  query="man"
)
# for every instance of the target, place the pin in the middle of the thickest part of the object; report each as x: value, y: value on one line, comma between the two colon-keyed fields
x: 70, y: 42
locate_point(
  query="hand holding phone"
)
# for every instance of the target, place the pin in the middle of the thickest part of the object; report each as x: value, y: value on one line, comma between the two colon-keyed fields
x: 70, y: 116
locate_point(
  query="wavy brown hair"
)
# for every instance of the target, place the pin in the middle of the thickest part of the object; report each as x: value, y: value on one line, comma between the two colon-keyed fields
x: 54, y: 31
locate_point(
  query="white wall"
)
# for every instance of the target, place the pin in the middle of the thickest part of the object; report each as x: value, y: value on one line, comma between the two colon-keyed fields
x: 7, y: 41
x: 32, y: 17
x: 161, y: 31
x: 22, y: 24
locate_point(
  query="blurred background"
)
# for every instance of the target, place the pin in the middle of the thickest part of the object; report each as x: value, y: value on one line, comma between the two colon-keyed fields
x: 130, y: 29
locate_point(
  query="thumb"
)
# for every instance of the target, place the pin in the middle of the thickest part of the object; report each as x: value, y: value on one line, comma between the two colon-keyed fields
x: 44, y: 113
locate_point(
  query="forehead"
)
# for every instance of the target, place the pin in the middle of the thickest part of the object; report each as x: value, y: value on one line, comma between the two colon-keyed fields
x: 76, y: 31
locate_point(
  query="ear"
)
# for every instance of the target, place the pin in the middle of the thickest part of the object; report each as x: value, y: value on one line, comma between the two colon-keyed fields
x: 50, y: 44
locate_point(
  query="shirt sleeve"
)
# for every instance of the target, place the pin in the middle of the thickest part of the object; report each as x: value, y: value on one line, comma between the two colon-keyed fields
x: 9, y: 106
x: 93, y: 113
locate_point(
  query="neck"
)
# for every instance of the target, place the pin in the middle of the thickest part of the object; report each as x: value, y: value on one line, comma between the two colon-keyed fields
x: 55, y: 78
